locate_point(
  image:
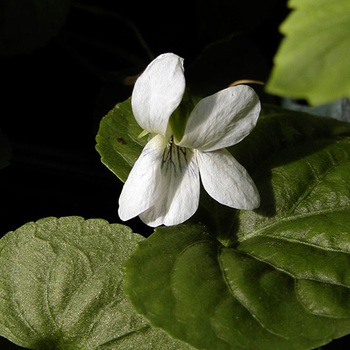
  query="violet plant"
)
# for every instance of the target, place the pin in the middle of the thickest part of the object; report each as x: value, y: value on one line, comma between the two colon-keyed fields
x: 250, y: 204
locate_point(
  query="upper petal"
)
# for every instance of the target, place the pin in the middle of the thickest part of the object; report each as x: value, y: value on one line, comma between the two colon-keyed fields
x: 138, y: 193
x: 226, y: 180
x: 177, y: 191
x: 223, y: 119
x: 157, y: 93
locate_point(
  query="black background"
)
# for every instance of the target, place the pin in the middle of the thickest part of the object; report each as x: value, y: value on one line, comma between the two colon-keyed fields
x: 52, y: 101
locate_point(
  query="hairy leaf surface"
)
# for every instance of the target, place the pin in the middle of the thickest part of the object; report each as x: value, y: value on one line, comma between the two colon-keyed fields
x: 62, y: 288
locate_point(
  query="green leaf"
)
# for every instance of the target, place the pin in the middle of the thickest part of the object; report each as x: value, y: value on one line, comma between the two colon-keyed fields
x: 62, y: 288
x: 312, y: 61
x: 26, y: 25
x: 278, y: 135
x: 214, y: 297
x: 117, y: 140
x: 274, y: 278
x: 119, y: 144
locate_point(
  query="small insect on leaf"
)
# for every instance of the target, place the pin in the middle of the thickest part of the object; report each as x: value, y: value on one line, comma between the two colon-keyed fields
x: 121, y: 141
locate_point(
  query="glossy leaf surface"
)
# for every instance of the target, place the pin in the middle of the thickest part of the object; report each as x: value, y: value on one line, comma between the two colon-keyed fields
x: 273, y: 278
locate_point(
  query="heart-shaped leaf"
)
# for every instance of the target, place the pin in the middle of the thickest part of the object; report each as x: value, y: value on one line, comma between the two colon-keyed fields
x: 183, y: 280
x: 62, y: 288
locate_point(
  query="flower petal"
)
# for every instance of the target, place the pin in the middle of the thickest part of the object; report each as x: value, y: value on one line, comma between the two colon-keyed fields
x: 177, y: 191
x: 157, y: 93
x: 222, y: 120
x: 138, y: 191
x: 227, y: 181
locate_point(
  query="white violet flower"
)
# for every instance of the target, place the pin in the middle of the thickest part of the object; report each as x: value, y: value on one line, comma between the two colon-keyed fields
x: 163, y: 186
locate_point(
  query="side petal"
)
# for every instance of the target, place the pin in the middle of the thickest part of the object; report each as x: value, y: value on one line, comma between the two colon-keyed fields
x: 157, y: 93
x: 177, y: 191
x: 223, y: 119
x: 138, y: 193
x: 227, y: 181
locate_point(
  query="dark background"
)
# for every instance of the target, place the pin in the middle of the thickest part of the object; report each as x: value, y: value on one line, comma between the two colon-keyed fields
x: 54, y: 96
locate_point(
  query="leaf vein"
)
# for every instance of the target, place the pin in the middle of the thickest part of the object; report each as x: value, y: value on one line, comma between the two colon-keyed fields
x: 263, y: 230
x: 230, y: 289
x: 312, y: 186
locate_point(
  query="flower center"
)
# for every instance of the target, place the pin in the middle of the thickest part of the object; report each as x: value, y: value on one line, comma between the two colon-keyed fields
x: 175, y: 158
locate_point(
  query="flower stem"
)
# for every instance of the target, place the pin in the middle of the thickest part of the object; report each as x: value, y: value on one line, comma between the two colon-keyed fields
x: 247, y: 81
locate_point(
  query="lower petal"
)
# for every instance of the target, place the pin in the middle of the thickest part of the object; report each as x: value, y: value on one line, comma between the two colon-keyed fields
x: 227, y: 181
x: 138, y: 193
x: 177, y: 190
